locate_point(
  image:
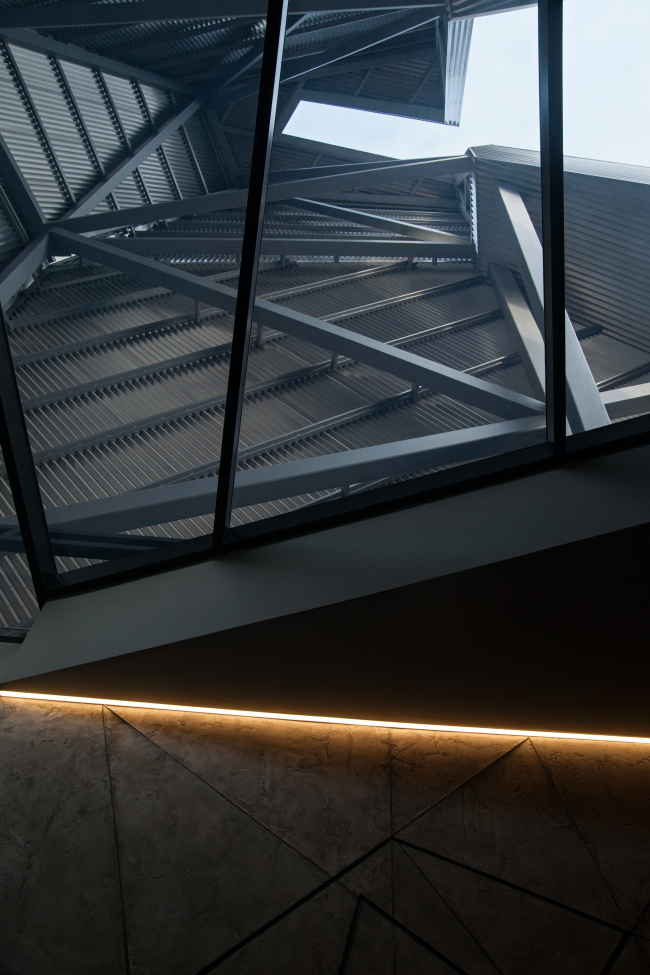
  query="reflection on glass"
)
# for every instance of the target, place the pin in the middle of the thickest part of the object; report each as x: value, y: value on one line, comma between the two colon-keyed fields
x: 123, y: 366
x: 398, y: 325
x: 607, y: 199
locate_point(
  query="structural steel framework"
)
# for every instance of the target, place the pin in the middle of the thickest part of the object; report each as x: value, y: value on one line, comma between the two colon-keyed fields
x: 167, y: 188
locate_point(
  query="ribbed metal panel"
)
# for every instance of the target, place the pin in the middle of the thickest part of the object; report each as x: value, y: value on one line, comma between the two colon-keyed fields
x: 178, y: 155
x: 459, y: 38
x: 128, y: 194
x: 128, y: 108
x: 21, y: 134
x: 607, y: 236
x: 96, y: 113
x: 158, y: 103
x: 57, y: 116
x: 157, y: 179
x: 204, y: 153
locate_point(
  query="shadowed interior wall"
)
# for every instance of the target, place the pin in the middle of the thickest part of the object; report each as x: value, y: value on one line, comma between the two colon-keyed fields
x: 151, y: 843
x: 551, y: 641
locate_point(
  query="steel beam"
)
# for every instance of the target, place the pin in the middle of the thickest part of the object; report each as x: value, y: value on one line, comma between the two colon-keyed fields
x: 378, y: 58
x: 13, y: 217
x: 423, y: 372
x: 382, y: 223
x: 585, y: 410
x: 190, y: 499
x: 236, y: 199
x: 113, y: 338
x: 525, y: 330
x: 377, y: 105
x: 329, y: 424
x: 20, y: 189
x: 624, y: 377
x: 16, y: 273
x: 124, y: 168
x: 308, y: 172
x: 86, y: 545
x: 271, y: 385
x: 626, y: 402
x: 265, y: 120
x: 21, y: 473
x: 306, y: 67
x: 286, y: 246
x: 225, y: 78
x: 70, y: 52
x: 224, y: 154
x: 148, y: 11
x: 127, y: 375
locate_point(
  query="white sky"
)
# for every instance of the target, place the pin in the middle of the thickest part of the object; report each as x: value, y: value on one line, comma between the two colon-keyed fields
x: 606, y: 92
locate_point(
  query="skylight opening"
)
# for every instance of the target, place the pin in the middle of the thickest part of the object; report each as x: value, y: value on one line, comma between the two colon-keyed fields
x: 606, y: 83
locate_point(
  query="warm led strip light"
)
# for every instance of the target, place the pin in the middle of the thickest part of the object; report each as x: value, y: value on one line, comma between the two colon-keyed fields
x: 316, y: 718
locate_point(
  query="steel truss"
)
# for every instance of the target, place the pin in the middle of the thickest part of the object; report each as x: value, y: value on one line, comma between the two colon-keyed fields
x: 560, y: 379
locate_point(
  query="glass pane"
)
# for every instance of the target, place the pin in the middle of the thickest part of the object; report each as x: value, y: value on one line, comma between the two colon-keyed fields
x: 120, y: 342
x: 398, y: 333
x: 607, y: 201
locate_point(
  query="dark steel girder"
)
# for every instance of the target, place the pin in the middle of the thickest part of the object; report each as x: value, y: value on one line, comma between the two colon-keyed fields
x: 236, y: 199
x: 362, y: 247
x: 524, y: 329
x: 224, y: 77
x: 212, y: 352
x: 71, y: 52
x: 326, y: 425
x: 107, y: 338
x: 190, y: 499
x: 85, y: 545
x: 17, y: 272
x: 381, y: 223
x: 19, y: 188
x: 628, y: 401
x: 123, y: 169
x: 298, y: 376
x: 382, y: 106
x: 148, y: 11
x: 312, y: 65
x: 585, y: 410
x: 435, y: 376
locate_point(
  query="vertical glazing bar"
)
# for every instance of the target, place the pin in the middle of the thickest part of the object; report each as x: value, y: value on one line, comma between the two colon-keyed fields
x: 21, y: 474
x: 241, y: 339
x: 552, y: 175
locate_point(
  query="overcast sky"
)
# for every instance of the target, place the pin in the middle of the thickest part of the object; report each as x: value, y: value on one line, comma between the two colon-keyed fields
x: 607, y: 92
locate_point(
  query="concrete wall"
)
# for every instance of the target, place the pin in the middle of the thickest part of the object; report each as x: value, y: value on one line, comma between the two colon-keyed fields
x: 152, y: 843
x: 582, y: 500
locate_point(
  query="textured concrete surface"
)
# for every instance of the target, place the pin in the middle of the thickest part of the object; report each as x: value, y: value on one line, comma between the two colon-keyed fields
x: 144, y: 842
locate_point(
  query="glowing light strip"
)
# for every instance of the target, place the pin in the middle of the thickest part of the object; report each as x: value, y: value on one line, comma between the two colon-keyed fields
x: 320, y: 719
